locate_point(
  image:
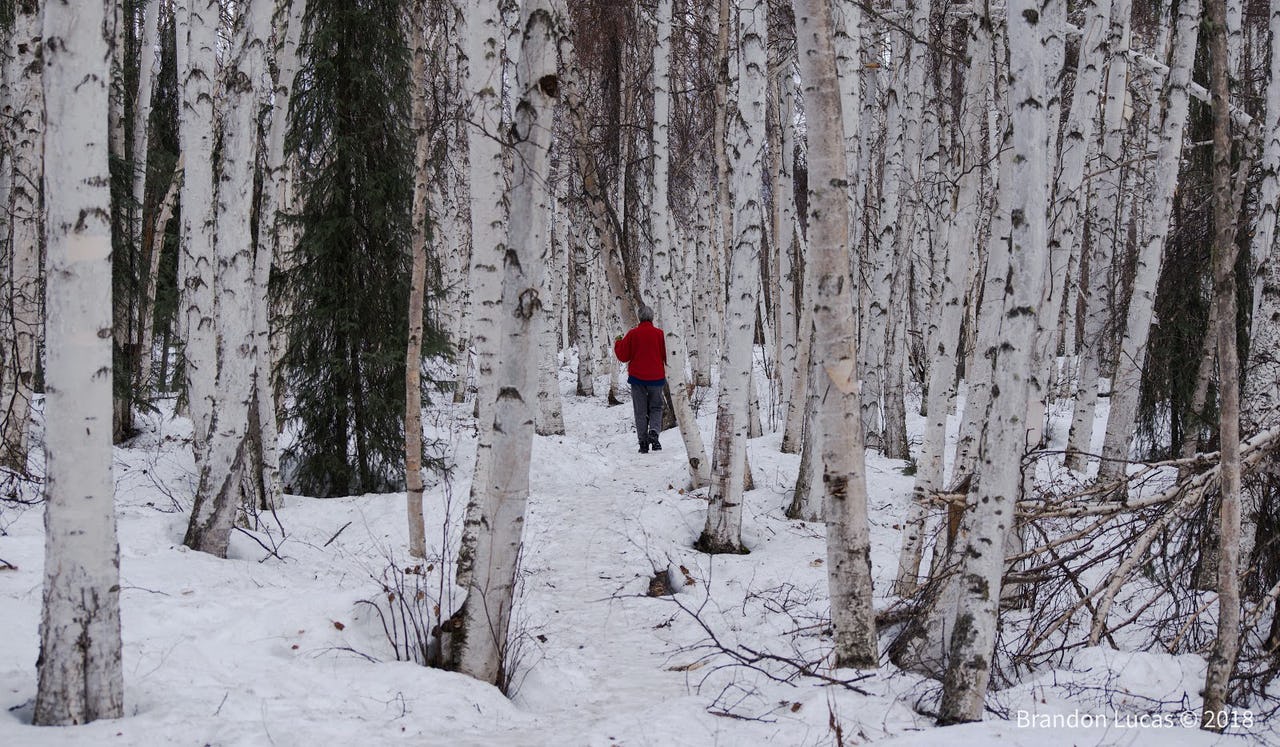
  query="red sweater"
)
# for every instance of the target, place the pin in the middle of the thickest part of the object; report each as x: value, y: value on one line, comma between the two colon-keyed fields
x: 644, y: 350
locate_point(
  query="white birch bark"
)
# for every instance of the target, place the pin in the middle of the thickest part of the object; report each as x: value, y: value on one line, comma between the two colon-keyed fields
x: 481, y: 645
x: 222, y: 467
x: 583, y: 290
x: 723, y: 531
x: 1013, y: 378
x: 141, y: 114
x: 943, y: 334
x: 26, y: 229
x: 80, y: 674
x: 482, y: 50
x: 660, y: 217
x: 843, y: 467
x: 550, y: 410
x: 1068, y: 196
x: 1133, y: 346
x: 197, y: 29
x: 1104, y: 202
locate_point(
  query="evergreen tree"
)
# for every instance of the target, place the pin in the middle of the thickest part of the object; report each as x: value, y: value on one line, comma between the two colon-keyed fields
x: 345, y: 290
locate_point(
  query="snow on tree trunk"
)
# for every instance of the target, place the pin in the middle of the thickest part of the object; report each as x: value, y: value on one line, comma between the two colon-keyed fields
x: 669, y: 307
x: 1013, y: 378
x: 944, y: 328
x: 222, y: 466
x: 27, y: 124
x: 723, y: 531
x: 80, y: 673
x: 480, y: 644
x: 1105, y: 201
x: 197, y: 30
x: 482, y: 49
x: 1222, y: 660
x: 1133, y: 346
x: 836, y: 366
x: 417, y: 287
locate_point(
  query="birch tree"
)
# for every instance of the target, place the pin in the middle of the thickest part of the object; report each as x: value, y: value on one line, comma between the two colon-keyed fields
x: 1104, y: 203
x: 666, y: 294
x: 417, y: 286
x: 80, y: 673
x: 223, y: 464
x: 1133, y: 346
x: 723, y: 531
x: 1013, y: 377
x: 966, y: 201
x: 836, y: 365
x: 479, y: 643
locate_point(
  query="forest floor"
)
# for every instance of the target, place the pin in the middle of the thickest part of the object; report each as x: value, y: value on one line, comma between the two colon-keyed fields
x: 280, y: 644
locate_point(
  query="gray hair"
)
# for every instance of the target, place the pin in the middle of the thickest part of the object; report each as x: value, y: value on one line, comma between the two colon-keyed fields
x: 645, y: 313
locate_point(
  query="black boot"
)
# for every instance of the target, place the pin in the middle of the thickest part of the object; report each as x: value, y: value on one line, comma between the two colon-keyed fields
x: 653, y: 440
x: 644, y: 447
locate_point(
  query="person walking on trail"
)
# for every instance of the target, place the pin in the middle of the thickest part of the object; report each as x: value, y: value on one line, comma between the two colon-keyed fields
x: 644, y: 350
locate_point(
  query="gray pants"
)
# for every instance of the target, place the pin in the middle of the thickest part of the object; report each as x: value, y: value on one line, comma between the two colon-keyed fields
x: 647, y: 403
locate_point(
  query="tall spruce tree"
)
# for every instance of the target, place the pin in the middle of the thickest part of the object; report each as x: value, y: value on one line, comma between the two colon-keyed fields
x: 345, y: 287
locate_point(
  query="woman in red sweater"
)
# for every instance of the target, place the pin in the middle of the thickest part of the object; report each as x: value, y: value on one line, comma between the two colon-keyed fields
x: 644, y: 350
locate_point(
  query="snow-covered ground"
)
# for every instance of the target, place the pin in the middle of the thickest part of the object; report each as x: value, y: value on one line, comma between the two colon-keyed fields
x: 279, y: 645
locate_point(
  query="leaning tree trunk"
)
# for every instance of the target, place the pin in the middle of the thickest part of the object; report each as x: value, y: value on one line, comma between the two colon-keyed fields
x: 723, y: 531
x: 17, y: 384
x: 1226, y: 646
x: 1104, y: 201
x: 1013, y: 379
x: 479, y: 645
x: 843, y: 461
x: 223, y: 464
x: 1133, y: 346
x: 80, y: 674
x: 944, y: 329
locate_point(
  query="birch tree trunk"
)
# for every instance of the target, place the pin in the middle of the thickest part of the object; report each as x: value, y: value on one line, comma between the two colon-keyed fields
x: 26, y: 231
x: 660, y: 218
x: 80, y: 673
x: 417, y: 286
x: 223, y: 465
x: 1133, y: 346
x: 480, y: 645
x: 1226, y: 646
x: 197, y: 27
x: 723, y: 531
x: 1013, y: 378
x: 141, y: 160
x: 152, y: 247
x: 273, y: 242
x: 944, y: 329
x: 580, y: 277
x: 1105, y: 202
x: 843, y: 467
x: 482, y: 50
